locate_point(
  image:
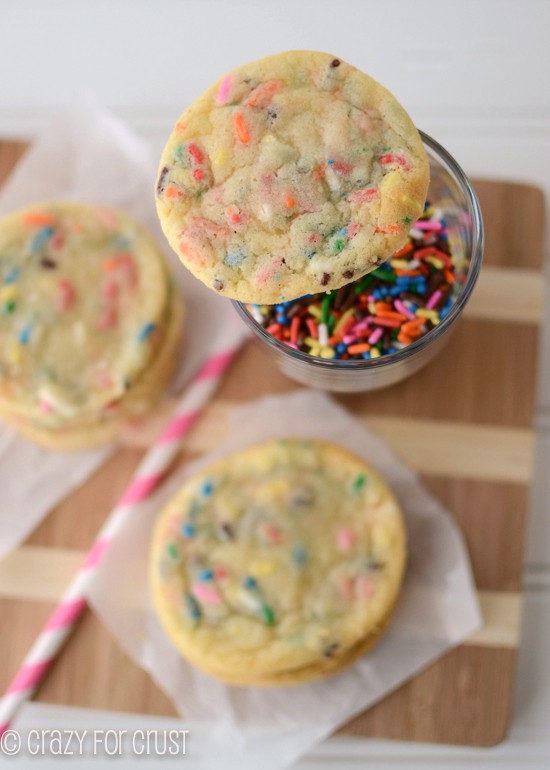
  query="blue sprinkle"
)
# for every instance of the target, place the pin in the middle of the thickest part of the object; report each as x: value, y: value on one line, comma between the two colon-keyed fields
x: 330, y: 162
x: 395, y: 291
x: 343, y: 231
x: 188, y: 530
x: 25, y: 334
x: 299, y: 555
x: 146, y: 331
x: 443, y: 313
x: 192, y: 606
x: 122, y: 242
x: 413, y: 307
x: 376, y: 294
x: 392, y: 349
x: 13, y: 275
x: 207, y: 488
x: 250, y: 582
x: 341, y: 347
x: 41, y: 237
x: 206, y: 574
x: 365, y: 355
x: 234, y: 258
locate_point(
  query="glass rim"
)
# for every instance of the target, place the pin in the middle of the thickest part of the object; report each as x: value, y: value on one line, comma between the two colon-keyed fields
x: 431, y: 336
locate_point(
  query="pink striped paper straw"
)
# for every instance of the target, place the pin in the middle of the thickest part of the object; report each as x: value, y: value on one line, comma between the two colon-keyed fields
x: 149, y: 473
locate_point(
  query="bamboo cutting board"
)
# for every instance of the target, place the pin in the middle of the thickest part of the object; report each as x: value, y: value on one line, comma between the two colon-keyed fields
x: 465, y: 424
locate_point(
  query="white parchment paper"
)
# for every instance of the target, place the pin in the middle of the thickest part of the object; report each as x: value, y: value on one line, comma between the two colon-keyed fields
x: 88, y: 155
x: 250, y: 728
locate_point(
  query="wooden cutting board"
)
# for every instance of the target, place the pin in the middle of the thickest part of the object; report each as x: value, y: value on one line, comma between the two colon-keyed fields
x: 465, y: 424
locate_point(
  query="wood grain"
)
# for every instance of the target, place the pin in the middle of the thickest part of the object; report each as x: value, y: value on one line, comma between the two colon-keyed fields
x: 464, y: 423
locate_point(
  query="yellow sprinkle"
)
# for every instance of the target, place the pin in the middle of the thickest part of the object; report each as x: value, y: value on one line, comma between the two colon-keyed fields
x: 399, y: 264
x: 260, y: 568
x: 435, y: 262
x: 380, y: 538
x: 14, y: 352
x: 372, y: 309
x: 343, y: 320
x: 315, y: 311
x: 8, y: 293
x: 311, y: 342
x: 432, y: 315
x: 374, y: 353
x: 327, y: 352
x: 220, y: 156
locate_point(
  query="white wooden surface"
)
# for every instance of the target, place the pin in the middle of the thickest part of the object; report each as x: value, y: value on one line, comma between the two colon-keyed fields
x: 473, y: 73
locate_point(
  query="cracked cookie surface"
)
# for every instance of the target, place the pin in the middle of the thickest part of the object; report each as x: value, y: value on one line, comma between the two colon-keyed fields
x: 291, y: 175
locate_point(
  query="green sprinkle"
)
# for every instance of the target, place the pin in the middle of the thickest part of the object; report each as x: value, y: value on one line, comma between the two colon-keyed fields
x: 339, y: 244
x: 325, y: 308
x: 193, y: 607
x: 172, y: 551
x: 365, y: 283
x: 384, y: 275
x: 407, y: 220
x: 386, y: 149
x: 331, y: 323
x: 359, y: 482
x: 268, y: 614
x: 9, y: 307
x: 366, y: 149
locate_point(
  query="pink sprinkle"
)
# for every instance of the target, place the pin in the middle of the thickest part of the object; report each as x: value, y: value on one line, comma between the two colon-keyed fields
x: 428, y: 225
x: 362, y: 196
x: 349, y: 338
x: 292, y: 345
x: 364, y: 587
x: 128, y: 270
x: 434, y: 299
x: 102, y: 379
x: 362, y: 324
x: 108, y: 318
x: 223, y: 90
x: 271, y: 533
x: 45, y: 407
x: 206, y: 594
x: 57, y: 241
x: 109, y: 288
x: 345, y: 539
x: 403, y: 309
x: 66, y: 295
x: 345, y: 586
x: 375, y: 336
x: 220, y: 573
x: 268, y: 271
x: 353, y: 229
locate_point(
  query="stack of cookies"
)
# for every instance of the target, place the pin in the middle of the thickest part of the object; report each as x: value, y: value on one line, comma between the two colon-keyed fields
x: 89, y: 323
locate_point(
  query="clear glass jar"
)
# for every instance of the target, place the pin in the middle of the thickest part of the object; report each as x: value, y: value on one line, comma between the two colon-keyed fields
x: 450, y: 191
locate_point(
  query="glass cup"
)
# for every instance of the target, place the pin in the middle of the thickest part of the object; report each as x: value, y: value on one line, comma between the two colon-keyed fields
x: 450, y: 191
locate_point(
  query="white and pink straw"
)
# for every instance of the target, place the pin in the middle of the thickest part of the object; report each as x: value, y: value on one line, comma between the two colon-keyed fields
x: 148, y: 475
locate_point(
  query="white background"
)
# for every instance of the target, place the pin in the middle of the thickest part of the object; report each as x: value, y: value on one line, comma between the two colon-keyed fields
x: 474, y: 74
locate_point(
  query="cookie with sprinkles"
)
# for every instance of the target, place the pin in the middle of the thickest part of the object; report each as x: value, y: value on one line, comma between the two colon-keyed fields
x: 278, y: 564
x: 89, y: 323
x: 291, y: 175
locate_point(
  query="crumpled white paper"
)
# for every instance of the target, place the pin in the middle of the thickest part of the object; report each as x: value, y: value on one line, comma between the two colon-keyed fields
x: 88, y: 155
x: 249, y: 728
